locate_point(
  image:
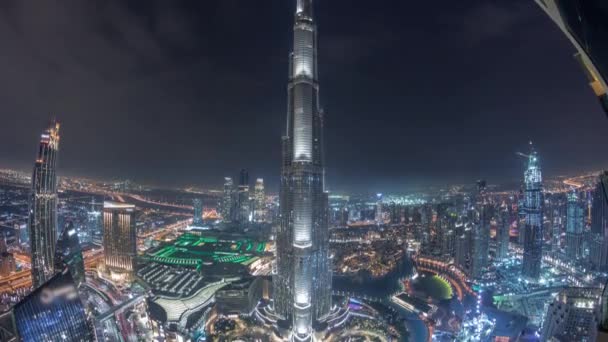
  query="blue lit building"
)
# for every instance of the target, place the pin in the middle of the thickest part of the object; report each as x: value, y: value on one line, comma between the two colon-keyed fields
x: 575, y: 217
x: 197, y: 220
x: 53, y: 312
x: 533, y: 210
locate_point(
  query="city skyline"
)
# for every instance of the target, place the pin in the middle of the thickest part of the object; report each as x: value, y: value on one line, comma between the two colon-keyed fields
x: 389, y: 121
x: 434, y: 191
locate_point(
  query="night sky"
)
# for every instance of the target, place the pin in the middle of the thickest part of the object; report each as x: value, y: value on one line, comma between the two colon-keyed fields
x: 187, y: 92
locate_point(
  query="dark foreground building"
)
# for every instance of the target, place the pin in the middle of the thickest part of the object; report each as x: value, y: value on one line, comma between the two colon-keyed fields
x: 53, y: 312
x: 69, y: 254
x: 585, y: 23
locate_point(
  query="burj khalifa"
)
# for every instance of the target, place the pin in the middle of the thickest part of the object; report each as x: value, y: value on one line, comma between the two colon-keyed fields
x: 302, y: 278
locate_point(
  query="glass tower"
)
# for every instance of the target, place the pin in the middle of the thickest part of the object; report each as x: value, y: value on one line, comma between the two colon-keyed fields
x: 119, y: 239
x: 533, y: 211
x: 42, y: 220
x: 259, y: 201
x: 481, y: 233
x: 599, y: 225
x: 575, y: 217
x: 53, y: 312
x: 197, y: 220
x: 228, y: 200
x: 302, y: 282
x: 502, y: 233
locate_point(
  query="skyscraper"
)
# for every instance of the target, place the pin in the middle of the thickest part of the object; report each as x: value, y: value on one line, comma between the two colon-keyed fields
x: 533, y: 210
x: 42, y: 220
x: 481, y: 232
x: 302, y: 283
x: 197, y: 220
x: 584, y: 23
x: 502, y: 232
x: 598, y: 249
x: 95, y: 223
x: 575, y: 217
x: 53, y: 312
x: 69, y: 254
x: 119, y: 239
x: 378, y: 215
x: 572, y: 316
x: 228, y: 200
x: 259, y: 201
x: 243, y: 204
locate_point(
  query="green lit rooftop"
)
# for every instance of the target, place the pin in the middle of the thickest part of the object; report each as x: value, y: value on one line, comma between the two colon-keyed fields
x: 195, y: 251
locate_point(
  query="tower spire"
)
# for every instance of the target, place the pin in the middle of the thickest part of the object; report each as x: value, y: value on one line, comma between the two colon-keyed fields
x: 304, y: 10
x: 302, y: 283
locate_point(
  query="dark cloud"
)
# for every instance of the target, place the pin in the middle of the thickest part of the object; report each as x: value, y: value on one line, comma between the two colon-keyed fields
x: 177, y: 92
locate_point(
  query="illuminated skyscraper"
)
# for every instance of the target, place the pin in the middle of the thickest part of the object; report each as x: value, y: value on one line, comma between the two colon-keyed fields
x: 197, y: 220
x: 533, y: 210
x: 378, y: 216
x: 243, y: 205
x: 481, y: 231
x: 228, y: 200
x: 69, y: 254
x: 119, y: 239
x: 302, y: 283
x: 53, y: 312
x: 95, y: 223
x: 575, y: 217
x: 42, y: 221
x: 259, y: 201
x: 585, y: 23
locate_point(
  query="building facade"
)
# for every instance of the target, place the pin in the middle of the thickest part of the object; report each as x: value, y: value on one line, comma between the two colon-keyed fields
x: 7, y: 260
x: 259, y: 201
x: 575, y: 216
x: 573, y: 315
x: 533, y: 211
x: 53, y: 312
x: 42, y: 220
x: 481, y: 232
x: 502, y: 233
x: 69, y: 254
x: 598, y: 239
x: 197, y: 219
x: 119, y: 239
x: 378, y: 216
x: 302, y: 282
x: 228, y: 205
